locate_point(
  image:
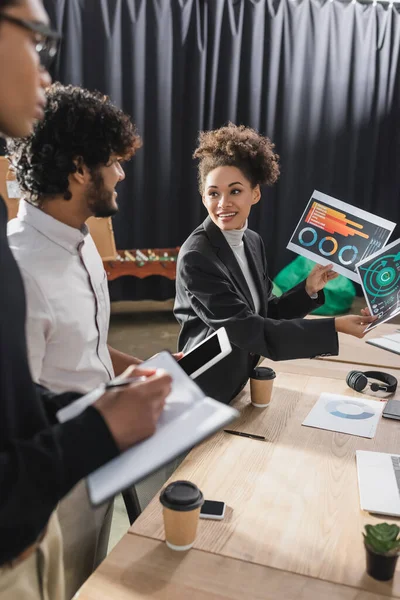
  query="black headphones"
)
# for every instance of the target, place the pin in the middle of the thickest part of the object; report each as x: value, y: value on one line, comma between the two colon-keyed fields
x: 358, y: 381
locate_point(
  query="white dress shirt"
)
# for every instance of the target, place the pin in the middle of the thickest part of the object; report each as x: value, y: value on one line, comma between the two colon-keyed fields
x: 68, y: 305
x: 234, y: 237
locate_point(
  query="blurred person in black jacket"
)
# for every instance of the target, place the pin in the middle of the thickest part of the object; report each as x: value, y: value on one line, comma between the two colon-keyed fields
x: 40, y: 461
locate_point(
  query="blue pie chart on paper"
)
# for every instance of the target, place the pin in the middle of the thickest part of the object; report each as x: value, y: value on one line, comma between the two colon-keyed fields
x: 345, y: 409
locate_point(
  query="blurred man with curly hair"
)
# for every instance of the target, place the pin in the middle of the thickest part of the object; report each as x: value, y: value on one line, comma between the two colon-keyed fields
x: 68, y: 170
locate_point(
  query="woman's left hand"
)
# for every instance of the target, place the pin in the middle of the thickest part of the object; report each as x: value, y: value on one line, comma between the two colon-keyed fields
x: 318, y: 278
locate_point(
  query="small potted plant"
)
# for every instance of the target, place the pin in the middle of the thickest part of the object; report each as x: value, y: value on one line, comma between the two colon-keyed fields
x: 382, y: 545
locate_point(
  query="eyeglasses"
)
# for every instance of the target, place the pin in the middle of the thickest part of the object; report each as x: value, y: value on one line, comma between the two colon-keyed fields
x: 46, y: 46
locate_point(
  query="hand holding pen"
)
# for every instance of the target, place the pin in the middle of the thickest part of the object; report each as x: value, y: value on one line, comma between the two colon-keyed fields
x: 132, y: 406
x: 126, y: 377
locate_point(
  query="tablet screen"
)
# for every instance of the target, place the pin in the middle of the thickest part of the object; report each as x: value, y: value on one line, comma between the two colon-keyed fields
x: 198, y: 357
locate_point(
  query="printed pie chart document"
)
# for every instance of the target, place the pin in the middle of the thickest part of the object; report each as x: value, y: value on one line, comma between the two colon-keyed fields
x: 380, y: 281
x: 332, y: 231
x: 345, y: 414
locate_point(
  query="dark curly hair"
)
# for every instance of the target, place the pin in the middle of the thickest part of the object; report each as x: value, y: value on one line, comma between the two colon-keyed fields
x: 241, y: 147
x: 5, y: 3
x: 79, y: 127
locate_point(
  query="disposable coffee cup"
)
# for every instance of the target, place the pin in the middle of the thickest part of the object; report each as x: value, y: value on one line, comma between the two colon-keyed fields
x: 261, y: 383
x: 182, y: 501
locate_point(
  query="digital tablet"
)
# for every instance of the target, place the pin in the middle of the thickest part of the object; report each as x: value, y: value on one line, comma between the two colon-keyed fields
x: 206, y: 354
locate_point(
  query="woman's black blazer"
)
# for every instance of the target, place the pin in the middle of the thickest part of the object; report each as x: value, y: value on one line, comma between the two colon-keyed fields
x: 211, y: 292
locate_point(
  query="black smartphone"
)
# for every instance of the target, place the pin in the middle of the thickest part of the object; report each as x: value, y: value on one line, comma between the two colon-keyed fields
x: 392, y: 410
x: 212, y: 509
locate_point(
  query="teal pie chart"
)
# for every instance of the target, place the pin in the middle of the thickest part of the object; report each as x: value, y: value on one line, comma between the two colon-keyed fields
x: 346, y: 409
x: 382, y: 277
x: 386, y: 276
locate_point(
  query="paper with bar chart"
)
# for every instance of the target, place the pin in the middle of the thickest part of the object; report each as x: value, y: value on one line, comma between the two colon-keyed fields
x: 332, y: 231
x: 380, y: 280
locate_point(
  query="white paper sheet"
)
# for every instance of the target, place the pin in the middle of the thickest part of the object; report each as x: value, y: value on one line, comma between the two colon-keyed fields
x: 332, y: 231
x: 345, y: 414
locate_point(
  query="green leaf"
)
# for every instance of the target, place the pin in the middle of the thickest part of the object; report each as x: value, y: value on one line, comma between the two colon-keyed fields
x: 383, y: 531
x: 382, y: 538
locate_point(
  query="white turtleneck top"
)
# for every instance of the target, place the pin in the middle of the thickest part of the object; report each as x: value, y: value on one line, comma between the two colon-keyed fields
x: 234, y: 237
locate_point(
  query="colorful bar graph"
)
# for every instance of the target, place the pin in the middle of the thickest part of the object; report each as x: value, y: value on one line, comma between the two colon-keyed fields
x: 333, y: 221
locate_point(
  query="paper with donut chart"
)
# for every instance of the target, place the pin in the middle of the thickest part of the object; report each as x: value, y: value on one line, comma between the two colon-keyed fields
x: 380, y: 281
x: 332, y: 231
x: 345, y: 414
x: 188, y: 418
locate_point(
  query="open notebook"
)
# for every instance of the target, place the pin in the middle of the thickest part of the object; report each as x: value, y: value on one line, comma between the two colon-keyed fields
x: 188, y: 418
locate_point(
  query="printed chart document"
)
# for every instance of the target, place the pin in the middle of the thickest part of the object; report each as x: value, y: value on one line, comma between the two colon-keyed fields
x: 331, y: 231
x: 390, y: 342
x: 345, y: 415
x: 380, y: 281
x: 188, y: 418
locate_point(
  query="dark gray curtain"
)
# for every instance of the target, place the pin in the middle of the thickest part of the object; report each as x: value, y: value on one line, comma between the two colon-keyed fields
x: 321, y: 79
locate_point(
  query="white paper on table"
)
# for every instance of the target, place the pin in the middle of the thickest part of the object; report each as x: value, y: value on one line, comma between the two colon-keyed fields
x: 380, y: 280
x: 332, y: 231
x: 345, y: 414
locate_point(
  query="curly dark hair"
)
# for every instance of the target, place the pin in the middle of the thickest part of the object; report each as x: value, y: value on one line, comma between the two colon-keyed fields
x: 241, y: 147
x: 79, y: 127
x: 5, y: 3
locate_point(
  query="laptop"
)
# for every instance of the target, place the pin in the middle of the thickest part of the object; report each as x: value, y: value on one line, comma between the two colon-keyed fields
x: 379, y: 482
x: 390, y: 342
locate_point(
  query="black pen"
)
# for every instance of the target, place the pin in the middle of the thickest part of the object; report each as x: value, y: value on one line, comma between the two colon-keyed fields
x: 252, y: 436
x: 123, y: 382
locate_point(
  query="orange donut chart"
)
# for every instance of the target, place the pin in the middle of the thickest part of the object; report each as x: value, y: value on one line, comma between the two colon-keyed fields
x: 325, y: 252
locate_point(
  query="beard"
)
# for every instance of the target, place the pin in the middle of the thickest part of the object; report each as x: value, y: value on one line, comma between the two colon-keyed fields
x: 100, y: 200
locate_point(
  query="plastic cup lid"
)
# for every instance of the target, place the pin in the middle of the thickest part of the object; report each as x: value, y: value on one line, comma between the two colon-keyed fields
x: 181, y: 496
x: 263, y: 373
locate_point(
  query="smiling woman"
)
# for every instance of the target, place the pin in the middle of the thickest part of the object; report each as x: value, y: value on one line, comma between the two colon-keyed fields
x: 222, y: 276
x: 234, y: 162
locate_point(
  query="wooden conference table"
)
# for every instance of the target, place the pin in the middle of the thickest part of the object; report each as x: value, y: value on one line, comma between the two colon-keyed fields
x: 293, y: 524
